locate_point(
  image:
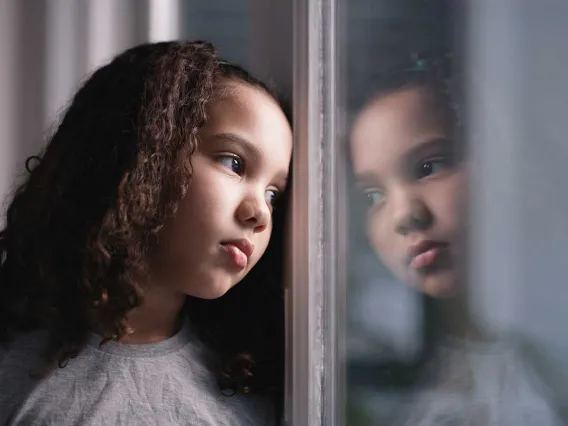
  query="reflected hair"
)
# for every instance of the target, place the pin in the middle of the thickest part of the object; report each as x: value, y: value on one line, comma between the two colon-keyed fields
x: 435, y: 71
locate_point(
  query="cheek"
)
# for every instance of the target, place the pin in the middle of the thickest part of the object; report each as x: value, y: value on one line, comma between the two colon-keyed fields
x: 210, y: 196
x: 203, y: 195
x: 381, y: 239
x: 179, y: 239
x: 201, y: 217
x: 449, y: 202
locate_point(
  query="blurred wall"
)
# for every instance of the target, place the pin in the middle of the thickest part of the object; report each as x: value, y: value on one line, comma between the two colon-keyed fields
x: 48, y: 47
x: 519, y: 211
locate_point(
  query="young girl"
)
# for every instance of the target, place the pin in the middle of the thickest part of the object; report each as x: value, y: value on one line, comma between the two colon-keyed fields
x: 409, y: 163
x: 153, y: 198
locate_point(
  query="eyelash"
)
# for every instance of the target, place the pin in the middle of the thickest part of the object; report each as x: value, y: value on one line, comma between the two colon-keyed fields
x: 273, y: 201
x: 368, y: 193
x: 421, y: 173
x: 241, y: 166
x: 235, y: 158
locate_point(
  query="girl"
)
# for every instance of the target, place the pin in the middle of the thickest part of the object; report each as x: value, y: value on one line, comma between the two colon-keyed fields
x: 409, y: 163
x: 153, y: 198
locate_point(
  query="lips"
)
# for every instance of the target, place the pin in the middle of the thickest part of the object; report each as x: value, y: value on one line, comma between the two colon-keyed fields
x: 425, y: 254
x: 243, y: 245
x: 239, y: 250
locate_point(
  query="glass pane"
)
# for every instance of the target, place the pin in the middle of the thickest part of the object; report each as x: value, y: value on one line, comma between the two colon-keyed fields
x: 454, y: 308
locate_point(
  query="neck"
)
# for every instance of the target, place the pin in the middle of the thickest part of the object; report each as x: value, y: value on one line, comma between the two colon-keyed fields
x: 158, y: 318
x: 454, y: 318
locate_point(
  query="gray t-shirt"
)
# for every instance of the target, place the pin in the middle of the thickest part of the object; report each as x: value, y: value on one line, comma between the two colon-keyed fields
x: 486, y: 383
x: 165, y: 383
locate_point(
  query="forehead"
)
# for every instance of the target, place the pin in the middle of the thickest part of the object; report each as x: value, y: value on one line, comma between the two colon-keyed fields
x: 250, y: 113
x: 391, y: 125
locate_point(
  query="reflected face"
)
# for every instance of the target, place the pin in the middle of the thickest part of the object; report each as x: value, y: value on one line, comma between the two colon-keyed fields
x: 408, y: 169
x: 224, y: 222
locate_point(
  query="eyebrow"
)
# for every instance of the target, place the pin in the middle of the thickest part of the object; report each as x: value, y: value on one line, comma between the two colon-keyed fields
x: 243, y: 143
x: 427, y: 148
x: 410, y: 158
x: 365, y: 179
x: 251, y: 149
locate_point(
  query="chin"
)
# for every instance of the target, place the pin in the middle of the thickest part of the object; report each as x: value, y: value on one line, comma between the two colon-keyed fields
x: 214, y: 290
x: 440, y: 287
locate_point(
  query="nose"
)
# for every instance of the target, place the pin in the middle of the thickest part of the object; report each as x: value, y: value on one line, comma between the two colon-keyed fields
x: 253, y: 212
x: 411, y: 214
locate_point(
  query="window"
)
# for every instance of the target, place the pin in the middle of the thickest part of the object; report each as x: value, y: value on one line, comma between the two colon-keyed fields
x: 427, y: 234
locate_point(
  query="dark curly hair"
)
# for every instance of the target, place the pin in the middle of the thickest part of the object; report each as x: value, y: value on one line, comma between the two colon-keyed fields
x: 84, y: 222
x: 438, y: 71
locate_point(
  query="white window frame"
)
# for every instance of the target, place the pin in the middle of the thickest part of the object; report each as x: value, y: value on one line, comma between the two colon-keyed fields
x: 315, y: 290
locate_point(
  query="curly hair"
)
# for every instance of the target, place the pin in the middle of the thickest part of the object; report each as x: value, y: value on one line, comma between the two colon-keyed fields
x: 81, y: 227
x: 435, y: 70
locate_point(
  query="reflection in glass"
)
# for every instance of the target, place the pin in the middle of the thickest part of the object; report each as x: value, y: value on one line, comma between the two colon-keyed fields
x: 410, y: 167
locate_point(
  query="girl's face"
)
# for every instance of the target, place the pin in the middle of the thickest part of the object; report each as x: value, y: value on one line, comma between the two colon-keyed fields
x: 408, y: 168
x: 224, y: 223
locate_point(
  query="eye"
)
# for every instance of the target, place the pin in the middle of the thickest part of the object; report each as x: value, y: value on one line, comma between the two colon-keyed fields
x: 373, y: 196
x: 432, y: 166
x: 232, y: 162
x: 272, y: 196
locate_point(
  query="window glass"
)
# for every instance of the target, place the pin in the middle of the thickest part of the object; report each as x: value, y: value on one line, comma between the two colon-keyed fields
x: 453, y: 296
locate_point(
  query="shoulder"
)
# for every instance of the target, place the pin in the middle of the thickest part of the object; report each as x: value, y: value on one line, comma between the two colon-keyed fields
x: 25, y: 349
x: 18, y: 360
x: 173, y: 385
x: 495, y: 383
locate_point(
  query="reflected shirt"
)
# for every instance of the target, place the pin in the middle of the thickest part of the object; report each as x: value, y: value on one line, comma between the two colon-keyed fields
x: 480, y: 383
x: 165, y: 383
